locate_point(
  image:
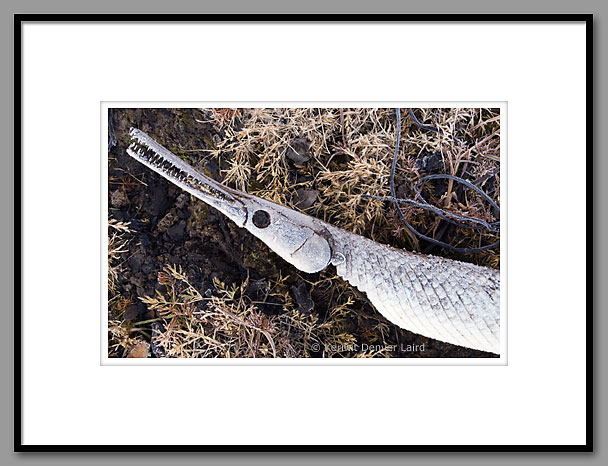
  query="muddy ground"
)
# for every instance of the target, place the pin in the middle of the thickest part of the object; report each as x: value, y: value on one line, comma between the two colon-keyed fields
x: 167, y: 226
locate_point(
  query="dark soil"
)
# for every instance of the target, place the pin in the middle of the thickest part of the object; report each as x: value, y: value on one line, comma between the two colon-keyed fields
x: 170, y: 227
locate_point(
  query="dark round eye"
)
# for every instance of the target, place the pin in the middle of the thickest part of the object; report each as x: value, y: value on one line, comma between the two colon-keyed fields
x: 261, y: 218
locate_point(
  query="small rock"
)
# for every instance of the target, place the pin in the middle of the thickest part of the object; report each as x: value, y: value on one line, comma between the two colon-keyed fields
x: 140, y: 350
x: 131, y: 312
x: 166, y: 222
x: 176, y: 232
x: 305, y: 198
x: 302, y: 296
x: 430, y: 163
x: 182, y: 200
x: 118, y: 198
x: 298, y: 150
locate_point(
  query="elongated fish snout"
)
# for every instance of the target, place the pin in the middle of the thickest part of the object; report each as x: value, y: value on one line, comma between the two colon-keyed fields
x: 150, y: 153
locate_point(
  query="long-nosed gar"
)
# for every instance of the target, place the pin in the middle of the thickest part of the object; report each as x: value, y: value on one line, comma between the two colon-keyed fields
x: 452, y: 301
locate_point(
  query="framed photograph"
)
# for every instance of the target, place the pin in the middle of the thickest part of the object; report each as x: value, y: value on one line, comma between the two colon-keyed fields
x: 237, y: 197
x: 300, y: 279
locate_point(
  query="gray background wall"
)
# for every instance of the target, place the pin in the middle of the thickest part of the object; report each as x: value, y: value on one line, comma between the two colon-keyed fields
x: 7, y: 254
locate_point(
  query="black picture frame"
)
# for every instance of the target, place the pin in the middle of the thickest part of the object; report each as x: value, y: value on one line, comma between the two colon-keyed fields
x: 19, y: 19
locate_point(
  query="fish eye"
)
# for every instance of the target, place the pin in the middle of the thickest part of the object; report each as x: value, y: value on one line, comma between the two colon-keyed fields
x: 261, y: 218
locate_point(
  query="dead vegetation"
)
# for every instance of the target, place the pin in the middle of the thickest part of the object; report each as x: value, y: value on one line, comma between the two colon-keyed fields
x: 320, y: 161
x: 119, y: 333
x: 227, y: 323
x: 117, y: 246
x: 349, y: 152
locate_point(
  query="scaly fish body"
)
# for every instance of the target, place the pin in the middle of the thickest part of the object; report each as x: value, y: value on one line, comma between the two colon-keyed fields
x: 451, y: 301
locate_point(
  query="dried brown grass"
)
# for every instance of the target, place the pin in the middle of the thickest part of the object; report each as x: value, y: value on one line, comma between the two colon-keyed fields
x: 350, y: 152
x: 228, y: 324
